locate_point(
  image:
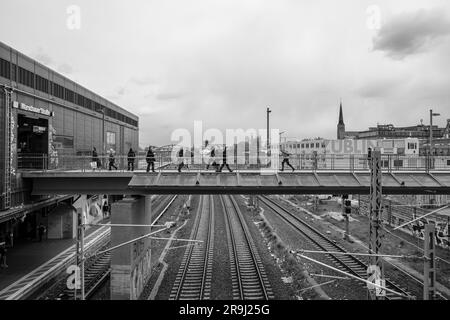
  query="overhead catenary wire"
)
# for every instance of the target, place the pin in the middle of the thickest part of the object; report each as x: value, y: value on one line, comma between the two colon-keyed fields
x: 353, y: 276
x: 414, y: 245
x: 361, y: 254
x: 418, y: 218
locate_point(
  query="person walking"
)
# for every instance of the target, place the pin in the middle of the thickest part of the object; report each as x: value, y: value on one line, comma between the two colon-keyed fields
x: 3, y: 255
x: 41, y: 231
x: 95, y: 160
x: 105, y: 209
x: 212, y: 159
x: 286, y: 160
x: 112, y: 160
x: 180, y: 159
x: 224, y: 160
x: 131, y: 157
x: 150, y: 159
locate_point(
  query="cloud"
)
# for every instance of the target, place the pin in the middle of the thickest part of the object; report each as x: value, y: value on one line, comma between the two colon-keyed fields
x: 412, y: 33
x: 43, y: 58
x: 142, y: 81
x: 65, y: 68
x: 121, y: 91
x: 169, y: 96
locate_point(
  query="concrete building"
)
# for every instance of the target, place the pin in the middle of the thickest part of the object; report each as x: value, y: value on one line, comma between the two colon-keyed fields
x: 42, y: 114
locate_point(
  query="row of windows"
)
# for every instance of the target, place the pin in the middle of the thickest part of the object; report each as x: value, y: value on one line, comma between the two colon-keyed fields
x: 37, y: 82
x: 305, y: 145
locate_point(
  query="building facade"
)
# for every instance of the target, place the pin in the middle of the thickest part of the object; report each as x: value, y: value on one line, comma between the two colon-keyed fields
x: 43, y: 113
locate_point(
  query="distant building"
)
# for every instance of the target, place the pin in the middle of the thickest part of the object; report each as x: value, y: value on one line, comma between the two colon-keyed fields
x: 441, y: 136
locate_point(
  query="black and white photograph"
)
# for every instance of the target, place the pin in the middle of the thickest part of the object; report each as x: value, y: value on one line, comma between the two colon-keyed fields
x: 222, y: 157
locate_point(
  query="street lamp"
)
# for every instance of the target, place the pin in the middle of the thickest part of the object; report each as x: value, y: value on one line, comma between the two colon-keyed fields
x: 431, y: 129
x: 268, y: 143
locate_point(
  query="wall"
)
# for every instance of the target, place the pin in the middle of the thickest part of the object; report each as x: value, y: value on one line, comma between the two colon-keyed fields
x: 130, y: 264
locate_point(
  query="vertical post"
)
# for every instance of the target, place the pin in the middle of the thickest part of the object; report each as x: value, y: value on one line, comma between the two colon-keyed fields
x: 77, y: 248
x: 82, y: 256
x: 431, y: 133
x: 268, y: 135
x: 429, y: 266
x: 390, y: 213
x: 375, y: 210
x: 345, y: 215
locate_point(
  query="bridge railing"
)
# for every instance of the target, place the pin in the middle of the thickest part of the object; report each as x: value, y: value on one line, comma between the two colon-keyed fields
x: 330, y: 162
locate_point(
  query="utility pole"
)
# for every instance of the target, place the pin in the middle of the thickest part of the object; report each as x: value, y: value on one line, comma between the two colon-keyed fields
x: 80, y: 252
x: 345, y: 213
x: 268, y: 134
x: 429, y: 266
x: 376, y: 262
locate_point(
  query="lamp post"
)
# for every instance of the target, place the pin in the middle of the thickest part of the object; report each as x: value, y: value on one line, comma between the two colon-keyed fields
x: 431, y: 129
x: 268, y: 141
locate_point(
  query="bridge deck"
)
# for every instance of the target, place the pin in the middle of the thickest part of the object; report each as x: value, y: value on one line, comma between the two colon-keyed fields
x: 248, y: 182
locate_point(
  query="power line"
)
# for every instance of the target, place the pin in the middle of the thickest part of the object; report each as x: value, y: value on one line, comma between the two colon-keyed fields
x: 353, y: 276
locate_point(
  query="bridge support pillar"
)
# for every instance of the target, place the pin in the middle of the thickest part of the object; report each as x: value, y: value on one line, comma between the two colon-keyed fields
x: 130, y: 264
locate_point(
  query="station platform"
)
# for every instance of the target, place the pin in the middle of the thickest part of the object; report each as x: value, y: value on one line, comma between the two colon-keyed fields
x: 27, y: 256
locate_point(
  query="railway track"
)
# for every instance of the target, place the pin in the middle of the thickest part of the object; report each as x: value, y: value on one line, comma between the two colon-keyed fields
x: 249, y: 279
x: 193, y: 280
x: 30, y: 283
x: 97, y: 269
x: 347, y: 263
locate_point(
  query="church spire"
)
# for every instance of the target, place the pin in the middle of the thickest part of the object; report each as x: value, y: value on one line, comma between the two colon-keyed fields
x: 341, y: 125
x: 341, y: 116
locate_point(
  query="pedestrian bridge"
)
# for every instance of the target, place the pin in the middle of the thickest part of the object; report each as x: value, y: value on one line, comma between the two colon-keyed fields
x: 245, y: 182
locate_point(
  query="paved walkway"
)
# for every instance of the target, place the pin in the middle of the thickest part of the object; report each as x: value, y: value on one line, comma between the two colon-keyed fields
x: 26, y: 256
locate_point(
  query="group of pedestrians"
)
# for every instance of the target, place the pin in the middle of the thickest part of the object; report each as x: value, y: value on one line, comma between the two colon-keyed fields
x: 208, y: 152
x: 96, y: 163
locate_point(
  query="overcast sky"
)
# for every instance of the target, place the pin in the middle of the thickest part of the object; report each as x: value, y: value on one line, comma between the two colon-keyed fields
x: 223, y: 62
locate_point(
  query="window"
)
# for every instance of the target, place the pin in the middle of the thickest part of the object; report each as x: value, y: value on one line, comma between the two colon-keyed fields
x: 42, y: 84
x: 317, y: 145
x: 448, y: 162
x: 323, y: 145
x: 63, y: 142
x: 307, y: 146
x: 5, y: 69
x: 398, y: 163
x: 303, y: 145
x: 110, y: 140
x: 81, y: 100
x: 298, y: 145
x: 69, y: 95
x: 412, y: 146
x: 58, y: 91
x: 88, y: 104
x: 26, y: 77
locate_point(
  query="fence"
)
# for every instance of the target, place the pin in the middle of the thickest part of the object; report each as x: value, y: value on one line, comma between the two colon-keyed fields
x: 330, y: 162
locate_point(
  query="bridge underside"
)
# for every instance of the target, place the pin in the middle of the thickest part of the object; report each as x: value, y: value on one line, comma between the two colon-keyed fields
x: 50, y: 183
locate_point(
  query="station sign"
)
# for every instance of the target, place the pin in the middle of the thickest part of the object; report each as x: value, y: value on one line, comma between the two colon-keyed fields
x: 25, y: 107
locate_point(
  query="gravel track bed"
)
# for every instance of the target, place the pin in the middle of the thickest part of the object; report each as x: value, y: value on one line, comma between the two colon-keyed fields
x: 339, y: 289
x: 281, y: 290
x: 221, y: 280
x: 391, y: 245
x: 173, y: 257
